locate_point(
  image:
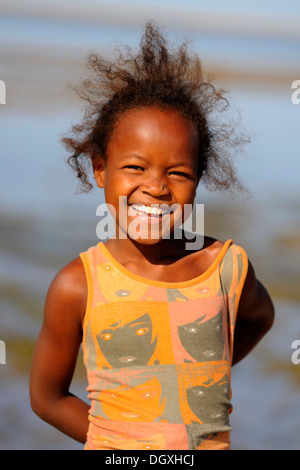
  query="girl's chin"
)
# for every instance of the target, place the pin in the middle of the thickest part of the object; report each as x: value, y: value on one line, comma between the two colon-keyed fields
x: 147, y: 237
x: 146, y: 241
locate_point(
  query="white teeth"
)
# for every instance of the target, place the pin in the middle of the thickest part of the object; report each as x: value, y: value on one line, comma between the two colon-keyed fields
x: 149, y: 210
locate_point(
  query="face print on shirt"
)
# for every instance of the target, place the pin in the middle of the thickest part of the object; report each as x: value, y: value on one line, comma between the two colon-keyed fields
x: 134, y: 403
x: 128, y: 345
x: 210, y: 402
x: 203, y: 340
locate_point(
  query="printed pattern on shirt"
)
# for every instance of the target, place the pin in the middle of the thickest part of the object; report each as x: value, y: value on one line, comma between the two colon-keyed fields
x: 158, y: 359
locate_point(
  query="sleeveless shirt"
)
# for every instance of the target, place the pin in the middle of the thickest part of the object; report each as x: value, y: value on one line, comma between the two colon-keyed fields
x: 158, y: 354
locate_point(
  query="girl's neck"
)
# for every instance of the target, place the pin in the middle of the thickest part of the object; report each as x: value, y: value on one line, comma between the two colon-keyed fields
x: 164, y: 252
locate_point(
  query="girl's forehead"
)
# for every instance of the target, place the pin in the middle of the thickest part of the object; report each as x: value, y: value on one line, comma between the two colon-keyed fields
x: 155, y: 124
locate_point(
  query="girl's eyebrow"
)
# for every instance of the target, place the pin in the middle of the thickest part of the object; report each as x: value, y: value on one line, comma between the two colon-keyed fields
x: 133, y: 155
x: 142, y: 158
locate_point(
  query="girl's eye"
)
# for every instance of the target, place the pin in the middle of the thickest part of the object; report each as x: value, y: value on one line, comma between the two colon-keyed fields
x: 134, y: 167
x: 180, y: 173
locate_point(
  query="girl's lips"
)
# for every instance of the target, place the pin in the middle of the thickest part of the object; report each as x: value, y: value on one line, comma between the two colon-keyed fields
x: 154, y: 209
x: 148, y: 214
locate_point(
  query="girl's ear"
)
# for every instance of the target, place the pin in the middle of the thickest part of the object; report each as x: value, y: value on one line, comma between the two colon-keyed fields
x: 99, y: 168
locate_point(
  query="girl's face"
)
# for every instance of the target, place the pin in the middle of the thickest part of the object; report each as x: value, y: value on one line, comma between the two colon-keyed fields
x: 152, y: 159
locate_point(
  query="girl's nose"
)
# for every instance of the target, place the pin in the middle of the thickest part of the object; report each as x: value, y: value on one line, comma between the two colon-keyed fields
x: 155, y: 185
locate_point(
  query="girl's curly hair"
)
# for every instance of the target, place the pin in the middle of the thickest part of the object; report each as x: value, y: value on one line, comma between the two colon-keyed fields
x: 157, y: 75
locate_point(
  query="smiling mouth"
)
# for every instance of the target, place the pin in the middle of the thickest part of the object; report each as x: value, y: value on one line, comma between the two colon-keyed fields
x: 150, y: 211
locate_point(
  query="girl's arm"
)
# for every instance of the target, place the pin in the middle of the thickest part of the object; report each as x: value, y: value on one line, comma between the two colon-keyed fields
x: 56, y: 354
x: 255, y: 316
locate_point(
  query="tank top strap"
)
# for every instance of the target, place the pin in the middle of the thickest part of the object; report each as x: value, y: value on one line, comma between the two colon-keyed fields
x: 233, y: 272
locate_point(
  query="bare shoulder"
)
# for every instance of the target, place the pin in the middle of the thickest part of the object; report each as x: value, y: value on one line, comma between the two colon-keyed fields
x: 72, y: 273
x: 68, y: 290
x: 208, y: 245
x: 197, y: 261
x: 210, y: 250
x: 213, y: 245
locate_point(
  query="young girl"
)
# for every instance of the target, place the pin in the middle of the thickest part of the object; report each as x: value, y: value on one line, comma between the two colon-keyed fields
x: 156, y: 320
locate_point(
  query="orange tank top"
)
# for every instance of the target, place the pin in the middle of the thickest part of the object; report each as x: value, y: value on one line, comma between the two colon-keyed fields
x: 158, y: 354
